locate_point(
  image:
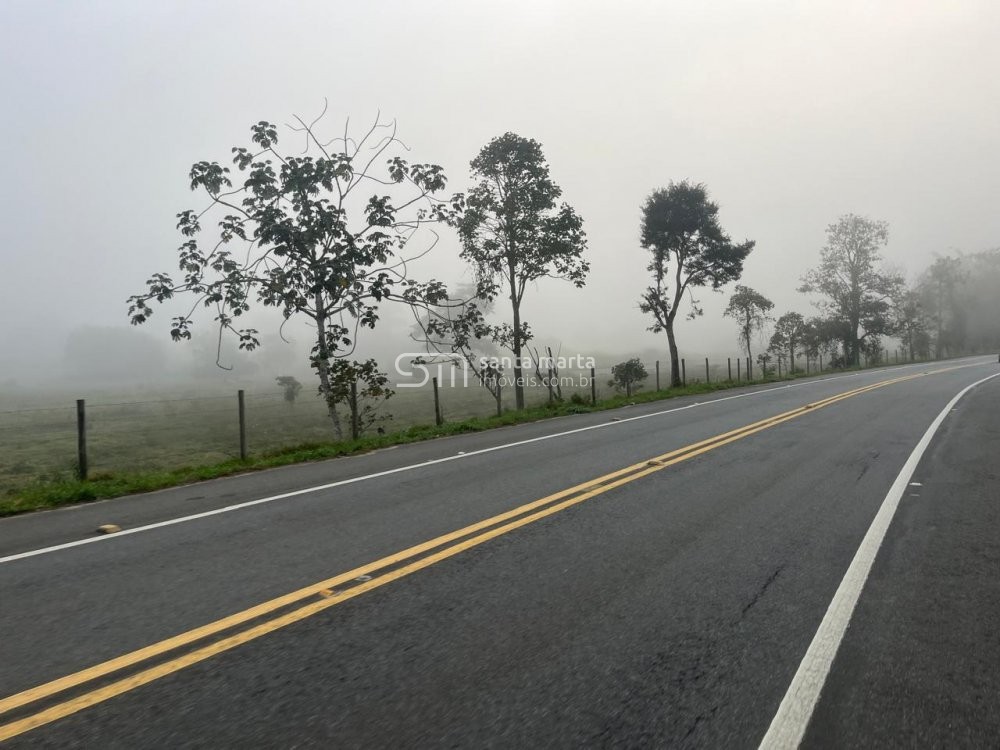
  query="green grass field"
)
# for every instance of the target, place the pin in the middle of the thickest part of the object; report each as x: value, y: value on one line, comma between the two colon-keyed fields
x: 39, y: 443
x: 137, y: 442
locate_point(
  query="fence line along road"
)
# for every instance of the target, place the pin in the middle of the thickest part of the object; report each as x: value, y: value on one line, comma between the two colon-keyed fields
x: 58, y: 442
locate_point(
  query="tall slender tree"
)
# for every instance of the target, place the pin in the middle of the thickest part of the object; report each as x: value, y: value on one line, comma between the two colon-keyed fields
x: 752, y: 311
x: 680, y: 226
x: 514, y: 231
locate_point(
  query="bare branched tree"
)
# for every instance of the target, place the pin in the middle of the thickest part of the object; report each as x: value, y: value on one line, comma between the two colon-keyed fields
x: 325, y: 235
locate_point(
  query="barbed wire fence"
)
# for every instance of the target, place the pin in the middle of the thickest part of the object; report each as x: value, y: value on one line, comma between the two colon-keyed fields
x: 94, y: 439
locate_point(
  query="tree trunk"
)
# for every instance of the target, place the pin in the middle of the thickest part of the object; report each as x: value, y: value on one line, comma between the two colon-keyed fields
x: 940, y: 323
x: 323, y: 368
x: 675, y: 362
x: 518, y: 382
x: 355, y: 412
x: 855, y: 352
x: 516, y: 343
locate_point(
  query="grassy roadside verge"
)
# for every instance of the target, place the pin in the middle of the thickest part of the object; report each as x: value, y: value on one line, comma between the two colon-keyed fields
x: 53, y: 493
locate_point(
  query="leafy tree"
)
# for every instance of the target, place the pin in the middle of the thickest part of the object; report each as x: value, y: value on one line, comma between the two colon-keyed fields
x: 825, y: 336
x: 779, y: 355
x: 911, y: 322
x: 788, y: 332
x: 291, y: 387
x: 628, y: 375
x: 958, y: 296
x: 872, y: 349
x: 763, y: 360
x: 979, y: 301
x: 941, y: 299
x: 680, y: 226
x: 362, y: 388
x: 855, y: 287
x: 751, y: 311
x: 514, y: 232
x: 299, y: 233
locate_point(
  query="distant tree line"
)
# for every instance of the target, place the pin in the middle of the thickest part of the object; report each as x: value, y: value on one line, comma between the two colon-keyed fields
x: 328, y: 233
x: 952, y: 308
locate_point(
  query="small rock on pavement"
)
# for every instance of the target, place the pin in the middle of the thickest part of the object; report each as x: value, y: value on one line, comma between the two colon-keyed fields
x: 109, y: 528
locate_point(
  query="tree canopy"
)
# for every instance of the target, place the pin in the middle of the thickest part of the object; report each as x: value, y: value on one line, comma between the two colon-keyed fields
x: 788, y: 332
x: 855, y: 289
x: 324, y: 235
x: 680, y: 226
x: 627, y: 376
x: 752, y: 311
x: 514, y: 231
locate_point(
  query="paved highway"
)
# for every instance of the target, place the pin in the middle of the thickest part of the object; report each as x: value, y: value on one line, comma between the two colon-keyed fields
x: 814, y: 563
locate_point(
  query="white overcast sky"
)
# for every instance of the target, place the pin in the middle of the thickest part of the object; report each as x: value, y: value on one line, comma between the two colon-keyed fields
x: 791, y: 112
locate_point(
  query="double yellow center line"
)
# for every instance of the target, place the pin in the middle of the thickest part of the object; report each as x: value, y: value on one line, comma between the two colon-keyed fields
x: 41, y: 705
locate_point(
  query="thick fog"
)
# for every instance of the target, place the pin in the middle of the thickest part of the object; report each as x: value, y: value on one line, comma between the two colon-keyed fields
x: 792, y: 113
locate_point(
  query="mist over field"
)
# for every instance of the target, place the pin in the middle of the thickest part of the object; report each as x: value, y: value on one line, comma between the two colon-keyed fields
x: 792, y: 114
x: 451, y: 373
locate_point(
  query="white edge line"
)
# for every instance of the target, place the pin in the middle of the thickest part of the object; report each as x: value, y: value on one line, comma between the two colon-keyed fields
x: 410, y: 467
x: 790, y: 722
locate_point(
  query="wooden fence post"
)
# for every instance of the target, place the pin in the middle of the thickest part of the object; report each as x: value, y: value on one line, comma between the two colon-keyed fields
x: 81, y: 439
x: 241, y: 401
x: 657, y: 374
x: 684, y: 375
x: 437, y: 404
x: 593, y: 386
x: 708, y: 378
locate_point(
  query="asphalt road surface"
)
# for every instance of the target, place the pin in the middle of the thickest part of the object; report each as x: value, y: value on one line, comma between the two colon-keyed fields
x: 778, y: 564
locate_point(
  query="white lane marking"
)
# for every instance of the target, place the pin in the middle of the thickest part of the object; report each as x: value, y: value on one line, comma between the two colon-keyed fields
x: 411, y: 467
x: 796, y: 709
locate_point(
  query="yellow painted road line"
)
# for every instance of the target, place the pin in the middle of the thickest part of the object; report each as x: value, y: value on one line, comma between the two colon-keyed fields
x: 226, y: 623
x: 502, y: 524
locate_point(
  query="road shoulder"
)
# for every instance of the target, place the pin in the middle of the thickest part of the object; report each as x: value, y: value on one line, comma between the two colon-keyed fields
x: 917, y: 666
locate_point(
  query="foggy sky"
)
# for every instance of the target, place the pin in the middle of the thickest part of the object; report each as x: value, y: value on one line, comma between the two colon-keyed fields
x: 791, y: 112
